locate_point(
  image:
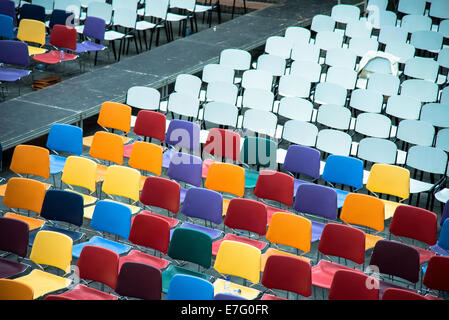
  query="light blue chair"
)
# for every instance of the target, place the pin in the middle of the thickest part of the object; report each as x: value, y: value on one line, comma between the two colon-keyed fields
x: 386, y: 84
x: 6, y: 27
x: 442, y: 246
x: 390, y: 34
x: 412, y: 6
x: 436, y: 113
x: 346, y: 171
x: 300, y: 132
x: 307, y: 69
x: 377, y: 150
x: 366, y: 100
x: 439, y: 9
x: 421, y: 68
x: 442, y: 140
x: 416, y: 132
x: 403, y: 51
x: 431, y: 41
x: 403, y: 107
x: 111, y: 217
x: 345, y: 13
x: 186, y: 287
x: 305, y: 52
x: 360, y: 46
x: 373, y: 125
x: 330, y: 93
x: 422, y: 90
x: 416, y: 22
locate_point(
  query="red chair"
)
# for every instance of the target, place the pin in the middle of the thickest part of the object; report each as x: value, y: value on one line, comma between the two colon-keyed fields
x: 350, y: 285
x: 162, y: 193
x: 401, y: 294
x: 418, y: 224
x: 149, y: 124
x: 63, y: 38
x: 151, y: 232
x: 96, y: 264
x: 436, y: 276
x: 287, y: 273
x: 276, y: 186
x: 340, y: 241
x: 248, y: 215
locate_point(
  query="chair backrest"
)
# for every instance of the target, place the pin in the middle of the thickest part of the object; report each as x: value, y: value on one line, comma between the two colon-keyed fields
x: 260, y: 121
x: 65, y: 206
x: 63, y: 37
x: 408, y: 131
x: 223, y: 143
x: 302, y: 160
x: 23, y: 193
x: 14, y: 52
x: 278, y: 46
x: 297, y: 34
x: 275, y: 185
x: 373, y: 125
x: 364, y: 210
x: 290, y: 230
x: 260, y: 99
x: 114, y: 115
x: 183, y: 134
x: 317, y: 200
x: 435, y: 277
x: 421, y: 68
x: 345, y: 13
x: 81, y: 172
x: 238, y: 259
x: 65, y: 138
x: 226, y: 177
x: 295, y: 108
x: 203, y: 204
x: 95, y: 28
x: 191, y: 245
x: 396, y: 259
x: 248, y: 215
x: 188, y: 84
x: 52, y: 249
x: 257, y: 79
x: 146, y: 156
x: 334, y: 116
x: 436, y: 113
x: 305, y: 67
x: 219, y: 91
x: 343, y: 170
x: 28, y: 159
x: 188, y: 170
x: 145, y: 98
x: 289, y: 274
x: 272, y: 63
x: 351, y: 285
x: 401, y: 294
x: 98, y: 264
x: 334, y: 142
x: 293, y: 85
x: 122, y: 181
x: 7, y: 8
x: 389, y: 179
x: 125, y: 17
x: 162, y: 193
x: 427, y: 159
x: 403, y: 107
x: 139, y: 280
x: 343, y: 241
x: 150, y: 124
x: 150, y: 231
x: 366, y: 100
x: 259, y: 151
x: 6, y: 25
x: 107, y: 146
x: 442, y: 140
x: 321, y: 22
x: 443, y: 240
x: 60, y: 17
x: 415, y: 223
x: 14, y: 236
x: 112, y: 217
x: 32, y: 12
x: 377, y: 150
x: 15, y: 290
x: 187, y: 287
x: 236, y: 59
x: 221, y: 113
x: 217, y: 72
x: 100, y: 10
x: 183, y: 104
x: 300, y: 132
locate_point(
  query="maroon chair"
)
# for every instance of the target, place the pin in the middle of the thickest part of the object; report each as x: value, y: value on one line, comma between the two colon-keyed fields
x: 418, y: 224
x: 275, y: 186
x: 139, y: 280
x: 287, y: 273
x: 63, y: 38
x: 248, y: 215
x: 350, y: 285
x: 13, y: 239
x: 401, y: 294
x: 436, y: 276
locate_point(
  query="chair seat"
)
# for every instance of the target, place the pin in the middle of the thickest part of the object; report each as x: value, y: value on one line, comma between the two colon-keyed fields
x: 438, y: 250
x: 112, y: 35
x: 371, y: 240
x: 35, y: 50
x: 88, y: 200
x: 424, y: 255
x: 87, y: 141
x: 272, y: 210
x: 432, y: 297
x: 139, y: 256
x: 272, y: 251
x: 171, y: 221
x: 442, y: 195
x: 245, y: 292
x: 33, y: 223
x: 214, y: 233
x: 54, y: 57
x: 11, y: 74
x: 173, y: 17
x: 271, y: 297
x: 417, y: 186
x: 43, y: 282
x: 144, y: 25
x: 232, y: 237
x: 89, y: 210
x: 56, y: 164
x: 86, y: 46
x: 323, y: 273
x: 82, y: 292
x: 251, y: 177
x: 119, y: 248
x: 74, y: 235
x: 10, y: 268
x: 172, y: 270
x: 199, y: 8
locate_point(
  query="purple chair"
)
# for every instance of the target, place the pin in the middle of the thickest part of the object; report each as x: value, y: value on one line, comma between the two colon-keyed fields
x: 13, y: 239
x: 94, y: 29
x: 182, y: 134
x: 139, y: 280
x: 203, y: 204
x: 395, y: 259
x: 302, y: 160
x: 228, y: 296
x: 13, y: 53
x: 316, y: 200
x: 8, y: 8
x: 187, y: 170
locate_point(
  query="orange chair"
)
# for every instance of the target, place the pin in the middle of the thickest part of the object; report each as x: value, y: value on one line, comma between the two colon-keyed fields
x: 25, y: 194
x: 227, y: 178
x: 367, y: 211
x: 29, y: 160
x: 146, y: 156
x: 15, y: 290
x: 114, y: 116
x: 289, y: 230
x: 107, y: 147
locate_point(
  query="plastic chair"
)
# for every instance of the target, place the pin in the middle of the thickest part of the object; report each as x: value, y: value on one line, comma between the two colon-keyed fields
x: 294, y: 86
x: 350, y: 285
x: 148, y: 157
x: 81, y: 172
x: 63, y: 38
x: 51, y: 249
x: 278, y: 46
x: 287, y: 273
x: 407, y: 131
x: 221, y: 113
x: 237, y: 59
x: 343, y: 76
x: 436, y: 114
x: 390, y: 34
x: 317, y: 201
x: 330, y: 93
x: 343, y: 13
x: 377, y: 150
x: 423, y: 90
x: 13, y: 53
x: 14, y: 240
x: 381, y: 18
x: 188, y: 84
x: 403, y: 51
x: 444, y: 98
x: 435, y: 276
x: 401, y: 294
x: 272, y: 63
x: 139, y: 280
x: 334, y: 117
x: 386, y: 84
x: 373, y: 125
x: 106, y: 146
x: 438, y: 9
x: 144, y: 98
x: 8, y: 9
x: 33, y: 11
x: 416, y: 22
x: 259, y: 99
x: 366, y: 100
x: 358, y: 29
x: 187, y: 287
x: 326, y: 40
x: 306, y: 68
x: 360, y: 46
x: 442, y: 140
x: 341, y: 58
x: 403, y: 107
x: 183, y: 105
x: 217, y: 72
x: 123, y: 182
x: 431, y: 41
x: 260, y: 79
x: 222, y: 92
x: 334, y: 142
x: 188, y: 245
x: 295, y: 108
x: 421, y: 68
x: 412, y: 6
x: 297, y: 35
x: 300, y: 132
x: 15, y: 290
x: 6, y: 24
x: 305, y: 52
x: 61, y: 17
x: 321, y: 22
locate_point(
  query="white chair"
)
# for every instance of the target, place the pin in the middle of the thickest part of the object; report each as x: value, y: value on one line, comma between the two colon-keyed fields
x: 295, y: 109
x: 443, y: 28
x: 381, y: 18
x: 297, y: 35
x: 144, y: 98
x: 442, y: 140
x: 183, y: 105
x: 334, y: 116
x: 443, y: 59
x: 334, y: 142
x: 342, y: 76
x: 261, y: 122
x: 311, y: 71
x: 386, y: 84
x: 422, y: 90
x: 130, y: 4
x: 305, y: 52
x: 421, y: 68
x: 366, y: 100
x: 373, y: 125
x: 221, y: 113
x: 403, y: 51
x: 100, y: 10
x: 47, y: 4
x: 222, y: 92
x: 300, y: 132
x: 345, y: 13
x: 358, y: 29
x: 403, y: 107
x: 326, y: 40
x: 275, y: 65
x: 360, y: 46
x: 439, y: 9
x: 188, y: 84
x: 416, y: 132
x: 237, y: 59
x: 279, y: 46
x: 321, y: 22
x: 73, y: 6
x: 255, y: 98
x: 431, y: 41
x: 257, y: 79
x: 330, y: 93
x: 379, y: 4
x: 217, y: 72
x: 390, y: 34
x: 412, y: 6
x: 415, y: 22
x: 377, y: 150
x: 294, y: 86
x: 436, y: 113
x: 444, y: 97
x: 341, y: 57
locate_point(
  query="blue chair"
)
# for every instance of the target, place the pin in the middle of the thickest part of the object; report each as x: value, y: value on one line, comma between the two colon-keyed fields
x: 15, y: 53
x: 6, y: 27
x: 63, y: 138
x: 8, y: 8
x: 343, y: 170
x: 185, y: 287
x: 61, y: 206
x: 112, y: 217
x: 33, y: 12
x: 59, y: 17
x: 442, y: 245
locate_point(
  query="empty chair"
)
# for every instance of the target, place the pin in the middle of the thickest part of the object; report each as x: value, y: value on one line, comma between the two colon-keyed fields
x: 330, y: 93
x: 403, y: 107
x: 139, y: 280
x: 15, y: 290
x: 377, y: 150
x: 439, y: 9
x: 300, y: 132
x: 435, y: 276
x: 401, y: 294
x: 431, y: 41
x: 378, y: 4
x: 222, y: 92
x: 321, y: 22
x: 373, y: 125
x: 415, y: 22
x: 366, y: 100
x: 294, y: 86
x: 295, y: 108
x: 188, y: 287
x: 237, y: 59
x: 442, y: 140
x: 350, y: 285
x: 278, y: 46
x: 444, y: 98
x: 305, y: 52
x: 361, y: 45
x: 422, y: 90
x: 436, y: 113
x: 222, y: 113
x: 334, y: 142
x: 342, y: 76
x: 341, y: 57
x: 334, y: 116
x: 217, y: 72
x: 260, y: 121
x: 183, y: 105
x: 33, y: 11
x: 403, y: 51
x: 260, y: 99
x: 123, y: 182
x: 260, y: 79
x: 344, y: 13
x: 306, y: 69
x: 14, y: 240
x: 386, y: 84
x: 380, y: 18
x: 421, y: 68
x: 412, y: 6
x: 144, y: 98
x: 13, y: 53
x: 188, y: 84
x: 358, y: 29
x: 416, y: 132
x: 297, y: 35
x: 326, y: 40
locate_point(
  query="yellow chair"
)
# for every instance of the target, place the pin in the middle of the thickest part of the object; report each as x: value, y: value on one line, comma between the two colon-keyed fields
x: 367, y: 211
x: 32, y: 31
x: 52, y: 249
x: 146, y: 156
x: 15, y: 290
x: 289, y: 230
x: 227, y: 178
x: 25, y: 194
x: 240, y: 260
x: 114, y: 116
x: 390, y: 180
x: 81, y: 172
x: 107, y: 147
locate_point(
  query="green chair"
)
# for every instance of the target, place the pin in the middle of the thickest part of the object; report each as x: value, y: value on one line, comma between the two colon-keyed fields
x: 188, y: 245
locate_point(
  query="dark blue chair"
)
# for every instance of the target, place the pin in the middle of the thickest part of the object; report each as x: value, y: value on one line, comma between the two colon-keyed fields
x: 8, y: 8
x: 186, y: 287
x: 60, y: 17
x: 6, y: 27
x: 33, y: 12
x: 442, y: 246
